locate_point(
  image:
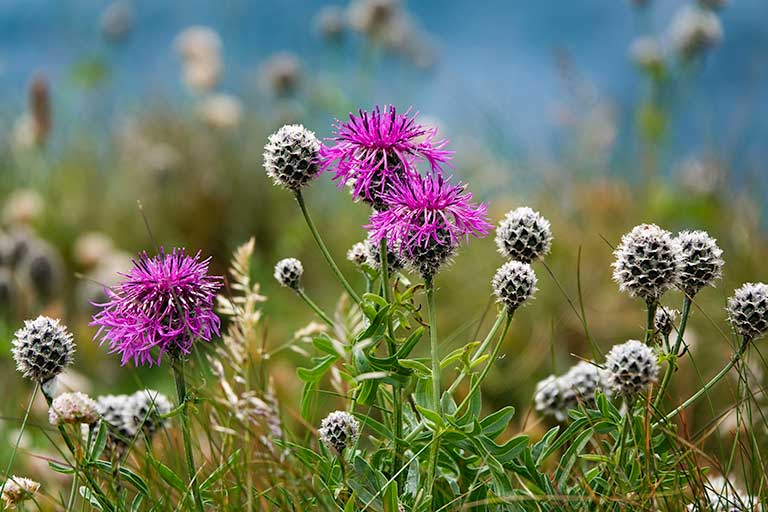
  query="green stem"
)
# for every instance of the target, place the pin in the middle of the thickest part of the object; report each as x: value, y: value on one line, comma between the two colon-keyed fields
x: 672, y: 363
x: 625, y: 427
x: 181, y: 394
x: 722, y: 373
x: 314, y: 307
x: 324, y: 249
x: 478, y: 353
x: 650, y: 324
x: 435, y: 357
x: 18, y: 438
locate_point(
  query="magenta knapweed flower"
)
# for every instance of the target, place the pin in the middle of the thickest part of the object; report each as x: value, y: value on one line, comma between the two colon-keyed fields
x: 164, y: 304
x: 428, y: 209
x: 372, y: 147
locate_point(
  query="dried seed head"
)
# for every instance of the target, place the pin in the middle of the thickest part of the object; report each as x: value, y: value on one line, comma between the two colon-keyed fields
x: 73, y: 408
x: 549, y: 399
x: 358, y: 253
x: 665, y: 320
x: 648, y: 262
x: 338, y: 430
x: 373, y: 257
x: 580, y: 384
x: 145, y: 410
x: 288, y: 272
x: 513, y: 284
x: 42, y: 349
x: 18, y: 489
x: 748, y: 310
x: 632, y: 367
x: 524, y: 235
x: 290, y: 156
x: 694, y: 30
x: 429, y: 257
x: 112, y: 409
x: 702, y: 262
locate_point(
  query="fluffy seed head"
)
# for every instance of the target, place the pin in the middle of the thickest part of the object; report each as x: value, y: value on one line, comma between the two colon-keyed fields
x: 290, y: 156
x: 288, y: 272
x: 164, y: 304
x: 632, y: 367
x: 112, y: 409
x: 748, y: 310
x: 18, y: 489
x: 648, y: 262
x: 523, y: 235
x: 358, y: 253
x: 145, y: 410
x: 73, y: 408
x: 702, y: 262
x: 580, y: 384
x: 338, y: 430
x: 42, y: 349
x: 548, y: 398
x: 694, y: 30
x: 665, y: 320
x: 513, y: 284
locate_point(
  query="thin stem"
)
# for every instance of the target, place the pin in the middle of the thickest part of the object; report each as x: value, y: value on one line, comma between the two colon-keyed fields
x: 314, y: 307
x: 324, y: 249
x: 435, y: 357
x: 722, y: 373
x: 18, y: 438
x: 671, y: 364
x: 181, y: 394
x: 479, y: 352
x: 650, y: 324
x: 625, y: 426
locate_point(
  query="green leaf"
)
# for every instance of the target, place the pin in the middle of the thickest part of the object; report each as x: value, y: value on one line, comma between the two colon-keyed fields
x: 316, y: 373
x: 90, y: 497
x: 390, y: 497
x: 100, y: 442
x: 219, y: 472
x: 377, y: 325
x: 136, y: 504
x: 169, y: 476
x: 495, y: 423
x: 570, y: 456
x: 432, y: 417
x: 61, y: 468
x: 308, y: 399
x: 324, y: 343
x: 421, y: 370
x: 135, y: 480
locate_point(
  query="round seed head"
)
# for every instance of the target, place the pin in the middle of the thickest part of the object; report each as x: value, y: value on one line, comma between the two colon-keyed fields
x: 290, y: 156
x: 41, y: 268
x: 42, y: 349
x: 288, y: 273
x: 18, y: 489
x: 373, y: 257
x: 665, y: 320
x: 748, y: 310
x: 338, y: 430
x: 694, y: 30
x: 702, y: 262
x: 524, y: 235
x: 112, y: 409
x: 513, y: 284
x: 548, y: 397
x: 145, y: 410
x: 648, y: 262
x: 580, y: 384
x: 358, y: 253
x: 632, y: 367
x: 73, y: 408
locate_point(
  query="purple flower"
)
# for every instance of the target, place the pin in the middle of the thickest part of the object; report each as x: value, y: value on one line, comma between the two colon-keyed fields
x: 165, y: 301
x: 426, y: 210
x: 373, y: 147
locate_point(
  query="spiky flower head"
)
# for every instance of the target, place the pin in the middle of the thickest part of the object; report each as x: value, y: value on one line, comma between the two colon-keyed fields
x: 338, y: 430
x: 748, y: 310
x: 358, y: 253
x: 73, y: 408
x: 524, y: 235
x: 113, y: 409
x: 665, y: 320
x: 648, y: 262
x: 18, y: 489
x: 162, y: 305
x: 372, y: 148
x: 580, y: 384
x: 632, y: 367
x: 145, y: 410
x: 695, y: 30
x: 702, y: 262
x: 513, y: 284
x: 288, y: 272
x: 42, y: 349
x: 373, y: 256
x: 426, y: 219
x: 548, y: 398
x: 290, y: 156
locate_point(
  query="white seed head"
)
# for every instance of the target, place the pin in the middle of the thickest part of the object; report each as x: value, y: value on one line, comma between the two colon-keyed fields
x: 427, y: 259
x: 748, y: 310
x: 702, y: 261
x: 632, y: 367
x: 221, y: 111
x: 394, y: 260
x: 73, y: 408
x: 18, y: 489
x: 513, y: 284
x: 548, y: 398
x: 694, y: 30
x: 145, y: 410
x: 358, y: 253
x: 288, y: 272
x: 338, y: 430
x: 646, y: 52
x: 524, y: 235
x: 665, y: 320
x: 580, y: 384
x: 290, y: 156
x: 42, y: 349
x: 112, y: 409
x: 648, y: 262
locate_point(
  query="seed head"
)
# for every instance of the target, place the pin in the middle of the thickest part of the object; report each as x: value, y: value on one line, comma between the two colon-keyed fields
x: 748, y: 310
x: 632, y: 367
x: 513, y: 284
x: 73, y: 408
x: 145, y: 410
x: 288, y: 272
x: 338, y: 430
x: 702, y: 262
x: 358, y: 253
x: 694, y: 30
x: 18, y: 489
x: 42, y: 349
x: 112, y: 409
x: 665, y: 320
x: 524, y: 235
x: 648, y: 262
x: 580, y: 384
x: 290, y: 157
x: 549, y: 399
x: 395, y: 261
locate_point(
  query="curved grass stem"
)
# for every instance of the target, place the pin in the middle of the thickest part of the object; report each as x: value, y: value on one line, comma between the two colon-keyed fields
x: 18, y: 438
x: 436, y: 387
x: 183, y: 398
x: 314, y: 307
x: 675, y: 351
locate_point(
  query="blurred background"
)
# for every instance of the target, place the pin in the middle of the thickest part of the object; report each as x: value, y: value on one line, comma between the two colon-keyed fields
x: 599, y: 114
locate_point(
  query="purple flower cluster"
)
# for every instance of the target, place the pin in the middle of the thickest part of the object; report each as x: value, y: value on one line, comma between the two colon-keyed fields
x: 165, y: 302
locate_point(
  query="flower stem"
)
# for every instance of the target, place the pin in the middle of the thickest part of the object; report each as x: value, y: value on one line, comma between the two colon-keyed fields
x: 671, y: 364
x: 650, y: 324
x: 722, y: 373
x: 314, y: 307
x: 324, y: 249
x: 479, y: 352
x: 435, y: 357
x: 18, y: 438
x: 181, y: 394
